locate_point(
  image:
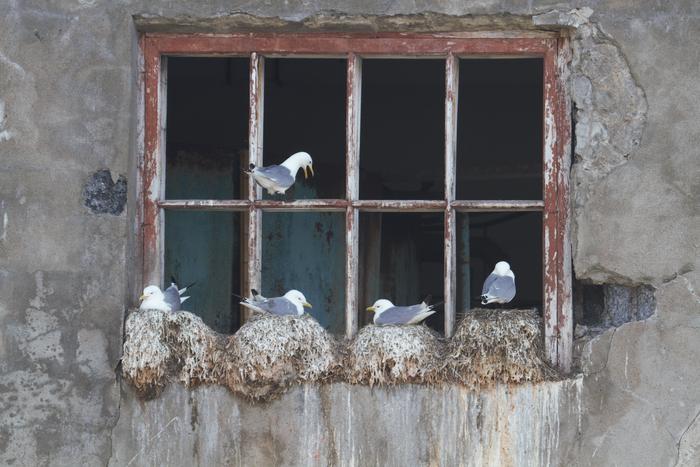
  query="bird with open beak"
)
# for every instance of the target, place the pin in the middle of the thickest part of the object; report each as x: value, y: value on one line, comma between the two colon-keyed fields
x: 277, y: 179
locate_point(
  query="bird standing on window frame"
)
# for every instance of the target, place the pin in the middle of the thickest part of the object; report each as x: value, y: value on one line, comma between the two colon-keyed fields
x: 277, y: 179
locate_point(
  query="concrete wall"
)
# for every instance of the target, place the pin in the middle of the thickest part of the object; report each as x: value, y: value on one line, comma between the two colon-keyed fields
x: 67, y: 106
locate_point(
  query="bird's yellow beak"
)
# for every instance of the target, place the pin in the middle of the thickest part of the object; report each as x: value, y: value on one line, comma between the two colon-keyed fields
x: 305, y: 174
x: 141, y: 298
x: 311, y: 169
x: 306, y: 305
x: 371, y: 308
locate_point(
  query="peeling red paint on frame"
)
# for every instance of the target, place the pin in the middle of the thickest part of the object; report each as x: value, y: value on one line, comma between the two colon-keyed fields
x: 557, y: 313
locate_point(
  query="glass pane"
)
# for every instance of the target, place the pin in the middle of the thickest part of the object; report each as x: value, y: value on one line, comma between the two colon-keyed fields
x: 401, y: 259
x: 306, y: 251
x: 499, y: 134
x: 207, y: 127
x: 403, y: 129
x: 204, y: 247
x: 305, y: 111
x: 483, y: 239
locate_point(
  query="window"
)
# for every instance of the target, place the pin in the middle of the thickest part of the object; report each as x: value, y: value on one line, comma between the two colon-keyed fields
x: 435, y: 156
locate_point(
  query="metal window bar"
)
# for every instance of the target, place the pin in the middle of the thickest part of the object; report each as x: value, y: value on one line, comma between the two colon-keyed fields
x: 557, y: 314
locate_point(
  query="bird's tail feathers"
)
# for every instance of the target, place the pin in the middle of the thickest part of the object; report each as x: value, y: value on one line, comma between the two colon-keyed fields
x: 250, y: 306
x: 427, y: 299
x: 182, y: 299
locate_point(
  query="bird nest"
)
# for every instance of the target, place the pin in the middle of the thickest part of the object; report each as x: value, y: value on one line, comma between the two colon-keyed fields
x: 497, y: 346
x: 271, y: 353
x: 161, y: 346
x: 389, y: 355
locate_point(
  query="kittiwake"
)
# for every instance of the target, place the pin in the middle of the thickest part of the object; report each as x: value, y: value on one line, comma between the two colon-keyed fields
x: 279, y: 178
x: 386, y: 312
x: 499, y: 286
x: 291, y: 303
x: 155, y: 299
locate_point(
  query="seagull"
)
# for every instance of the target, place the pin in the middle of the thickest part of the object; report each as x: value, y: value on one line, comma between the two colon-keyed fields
x: 170, y: 300
x: 499, y: 286
x: 386, y: 312
x: 291, y: 303
x: 279, y: 178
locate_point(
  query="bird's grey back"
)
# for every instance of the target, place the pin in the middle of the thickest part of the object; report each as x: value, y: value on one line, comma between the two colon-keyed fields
x: 277, y: 173
x: 278, y: 306
x: 171, y: 296
x: 400, y: 314
x: 499, y: 286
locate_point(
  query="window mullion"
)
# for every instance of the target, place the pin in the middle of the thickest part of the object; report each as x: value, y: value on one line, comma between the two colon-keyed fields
x: 352, y: 215
x: 451, y: 91
x: 255, y: 148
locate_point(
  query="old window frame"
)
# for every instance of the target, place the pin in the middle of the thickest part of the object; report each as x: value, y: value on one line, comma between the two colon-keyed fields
x: 553, y: 49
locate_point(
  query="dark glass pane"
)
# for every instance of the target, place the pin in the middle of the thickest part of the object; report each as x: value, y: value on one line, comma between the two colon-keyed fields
x: 403, y: 129
x: 207, y: 127
x: 204, y: 247
x: 402, y: 260
x: 305, y: 111
x: 306, y: 251
x: 499, y: 134
x: 483, y: 239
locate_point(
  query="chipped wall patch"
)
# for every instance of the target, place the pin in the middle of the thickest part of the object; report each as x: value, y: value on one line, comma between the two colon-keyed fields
x: 102, y: 195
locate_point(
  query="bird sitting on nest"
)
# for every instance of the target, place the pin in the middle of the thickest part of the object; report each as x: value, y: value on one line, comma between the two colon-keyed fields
x: 386, y: 312
x: 291, y: 303
x: 169, y: 300
x: 499, y: 286
x: 277, y: 179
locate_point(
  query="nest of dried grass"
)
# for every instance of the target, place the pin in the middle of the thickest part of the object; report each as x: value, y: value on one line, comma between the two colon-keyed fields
x: 497, y: 346
x: 388, y: 355
x: 271, y: 353
x: 161, y: 346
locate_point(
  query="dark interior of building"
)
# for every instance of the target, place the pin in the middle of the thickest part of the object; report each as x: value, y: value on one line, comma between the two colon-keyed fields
x: 401, y: 157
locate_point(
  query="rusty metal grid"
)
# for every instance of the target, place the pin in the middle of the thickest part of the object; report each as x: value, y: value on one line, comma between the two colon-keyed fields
x: 557, y: 313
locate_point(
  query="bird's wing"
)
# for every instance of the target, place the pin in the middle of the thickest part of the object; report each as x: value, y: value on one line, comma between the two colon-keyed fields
x: 277, y: 306
x: 171, y: 296
x: 487, y: 283
x: 277, y: 174
x: 502, y: 287
x: 401, y: 314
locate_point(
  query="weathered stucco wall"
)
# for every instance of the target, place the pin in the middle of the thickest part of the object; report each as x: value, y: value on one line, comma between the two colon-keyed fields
x: 68, y: 100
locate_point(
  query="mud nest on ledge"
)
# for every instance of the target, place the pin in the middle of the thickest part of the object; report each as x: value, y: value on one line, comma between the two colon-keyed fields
x: 497, y: 346
x: 269, y: 354
x: 388, y: 355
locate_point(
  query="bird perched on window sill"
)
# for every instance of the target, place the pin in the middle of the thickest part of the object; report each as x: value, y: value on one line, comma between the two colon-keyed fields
x: 499, y: 286
x: 386, y: 312
x: 277, y: 179
x: 169, y: 300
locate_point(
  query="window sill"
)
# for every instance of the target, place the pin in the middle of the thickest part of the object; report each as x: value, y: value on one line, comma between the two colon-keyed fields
x: 269, y: 354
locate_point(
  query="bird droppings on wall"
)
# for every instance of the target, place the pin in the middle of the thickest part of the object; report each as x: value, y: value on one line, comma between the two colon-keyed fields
x: 270, y: 354
x: 388, y: 355
x: 102, y: 195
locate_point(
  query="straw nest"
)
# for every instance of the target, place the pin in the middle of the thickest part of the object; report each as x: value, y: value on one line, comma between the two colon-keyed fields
x: 497, y: 346
x: 160, y: 347
x: 272, y: 353
x: 389, y: 355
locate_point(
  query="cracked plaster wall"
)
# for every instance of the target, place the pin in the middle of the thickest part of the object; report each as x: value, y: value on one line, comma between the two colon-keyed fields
x: 67, y: 107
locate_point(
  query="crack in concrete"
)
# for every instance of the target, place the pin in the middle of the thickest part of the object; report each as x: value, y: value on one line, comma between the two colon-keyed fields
x: 680, y: 439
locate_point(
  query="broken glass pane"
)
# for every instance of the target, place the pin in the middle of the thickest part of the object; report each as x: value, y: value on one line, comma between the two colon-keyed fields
x: 499, y: 132
x: 402, y: 129
x: 207, y: 127
x: 483, y: 239
x: 204, y: 247
x: 402, y: 260
x: 305, y: 111
x: 306, y: 251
